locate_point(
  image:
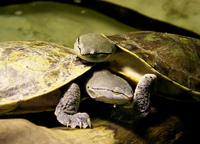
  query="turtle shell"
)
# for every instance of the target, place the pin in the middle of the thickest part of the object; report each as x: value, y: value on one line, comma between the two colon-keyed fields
x: 173, y: 57
x: 34, y: 69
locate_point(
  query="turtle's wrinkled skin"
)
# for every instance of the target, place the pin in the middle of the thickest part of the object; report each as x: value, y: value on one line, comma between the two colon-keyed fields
x: 31, y: 71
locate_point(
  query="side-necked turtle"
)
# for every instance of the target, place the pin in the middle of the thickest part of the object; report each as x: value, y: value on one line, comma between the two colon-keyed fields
x: 31, y: 73
x: 168, y: 62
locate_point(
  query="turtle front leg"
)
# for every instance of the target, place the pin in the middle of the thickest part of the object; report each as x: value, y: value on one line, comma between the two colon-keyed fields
x: 142, y: 93
x: 66, y: 110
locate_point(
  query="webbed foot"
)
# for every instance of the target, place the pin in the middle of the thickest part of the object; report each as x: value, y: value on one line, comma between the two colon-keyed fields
x: 66, y: 110
x: 142, y: 93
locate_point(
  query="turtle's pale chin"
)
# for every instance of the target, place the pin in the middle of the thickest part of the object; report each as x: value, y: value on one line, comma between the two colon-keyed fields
x: 94, y: 58
x: 119, y: 99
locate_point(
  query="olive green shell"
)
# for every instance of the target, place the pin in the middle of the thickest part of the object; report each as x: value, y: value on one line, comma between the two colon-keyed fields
x: 32, y: 69
x: 174, y: 57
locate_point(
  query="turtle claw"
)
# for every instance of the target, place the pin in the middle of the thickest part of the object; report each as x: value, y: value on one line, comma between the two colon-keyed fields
x: 81, y: 120
x: 89, y: 123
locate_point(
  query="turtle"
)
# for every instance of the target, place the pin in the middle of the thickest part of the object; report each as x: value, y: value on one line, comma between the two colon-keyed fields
x: 161, y: 64
x: 32, y: 74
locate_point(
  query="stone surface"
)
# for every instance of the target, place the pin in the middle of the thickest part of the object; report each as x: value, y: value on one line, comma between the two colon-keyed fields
x: 22, y: 131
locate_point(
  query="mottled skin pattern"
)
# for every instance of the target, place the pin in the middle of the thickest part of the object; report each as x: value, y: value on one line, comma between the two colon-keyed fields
x: 67, y: 109
x: 175, y: 56
x: 30, y: 69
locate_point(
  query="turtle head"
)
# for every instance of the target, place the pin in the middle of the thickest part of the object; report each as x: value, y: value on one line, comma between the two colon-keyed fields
x: 93, y: 47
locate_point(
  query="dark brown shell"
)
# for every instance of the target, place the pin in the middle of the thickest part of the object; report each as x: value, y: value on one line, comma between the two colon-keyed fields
x: 175, y: 56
